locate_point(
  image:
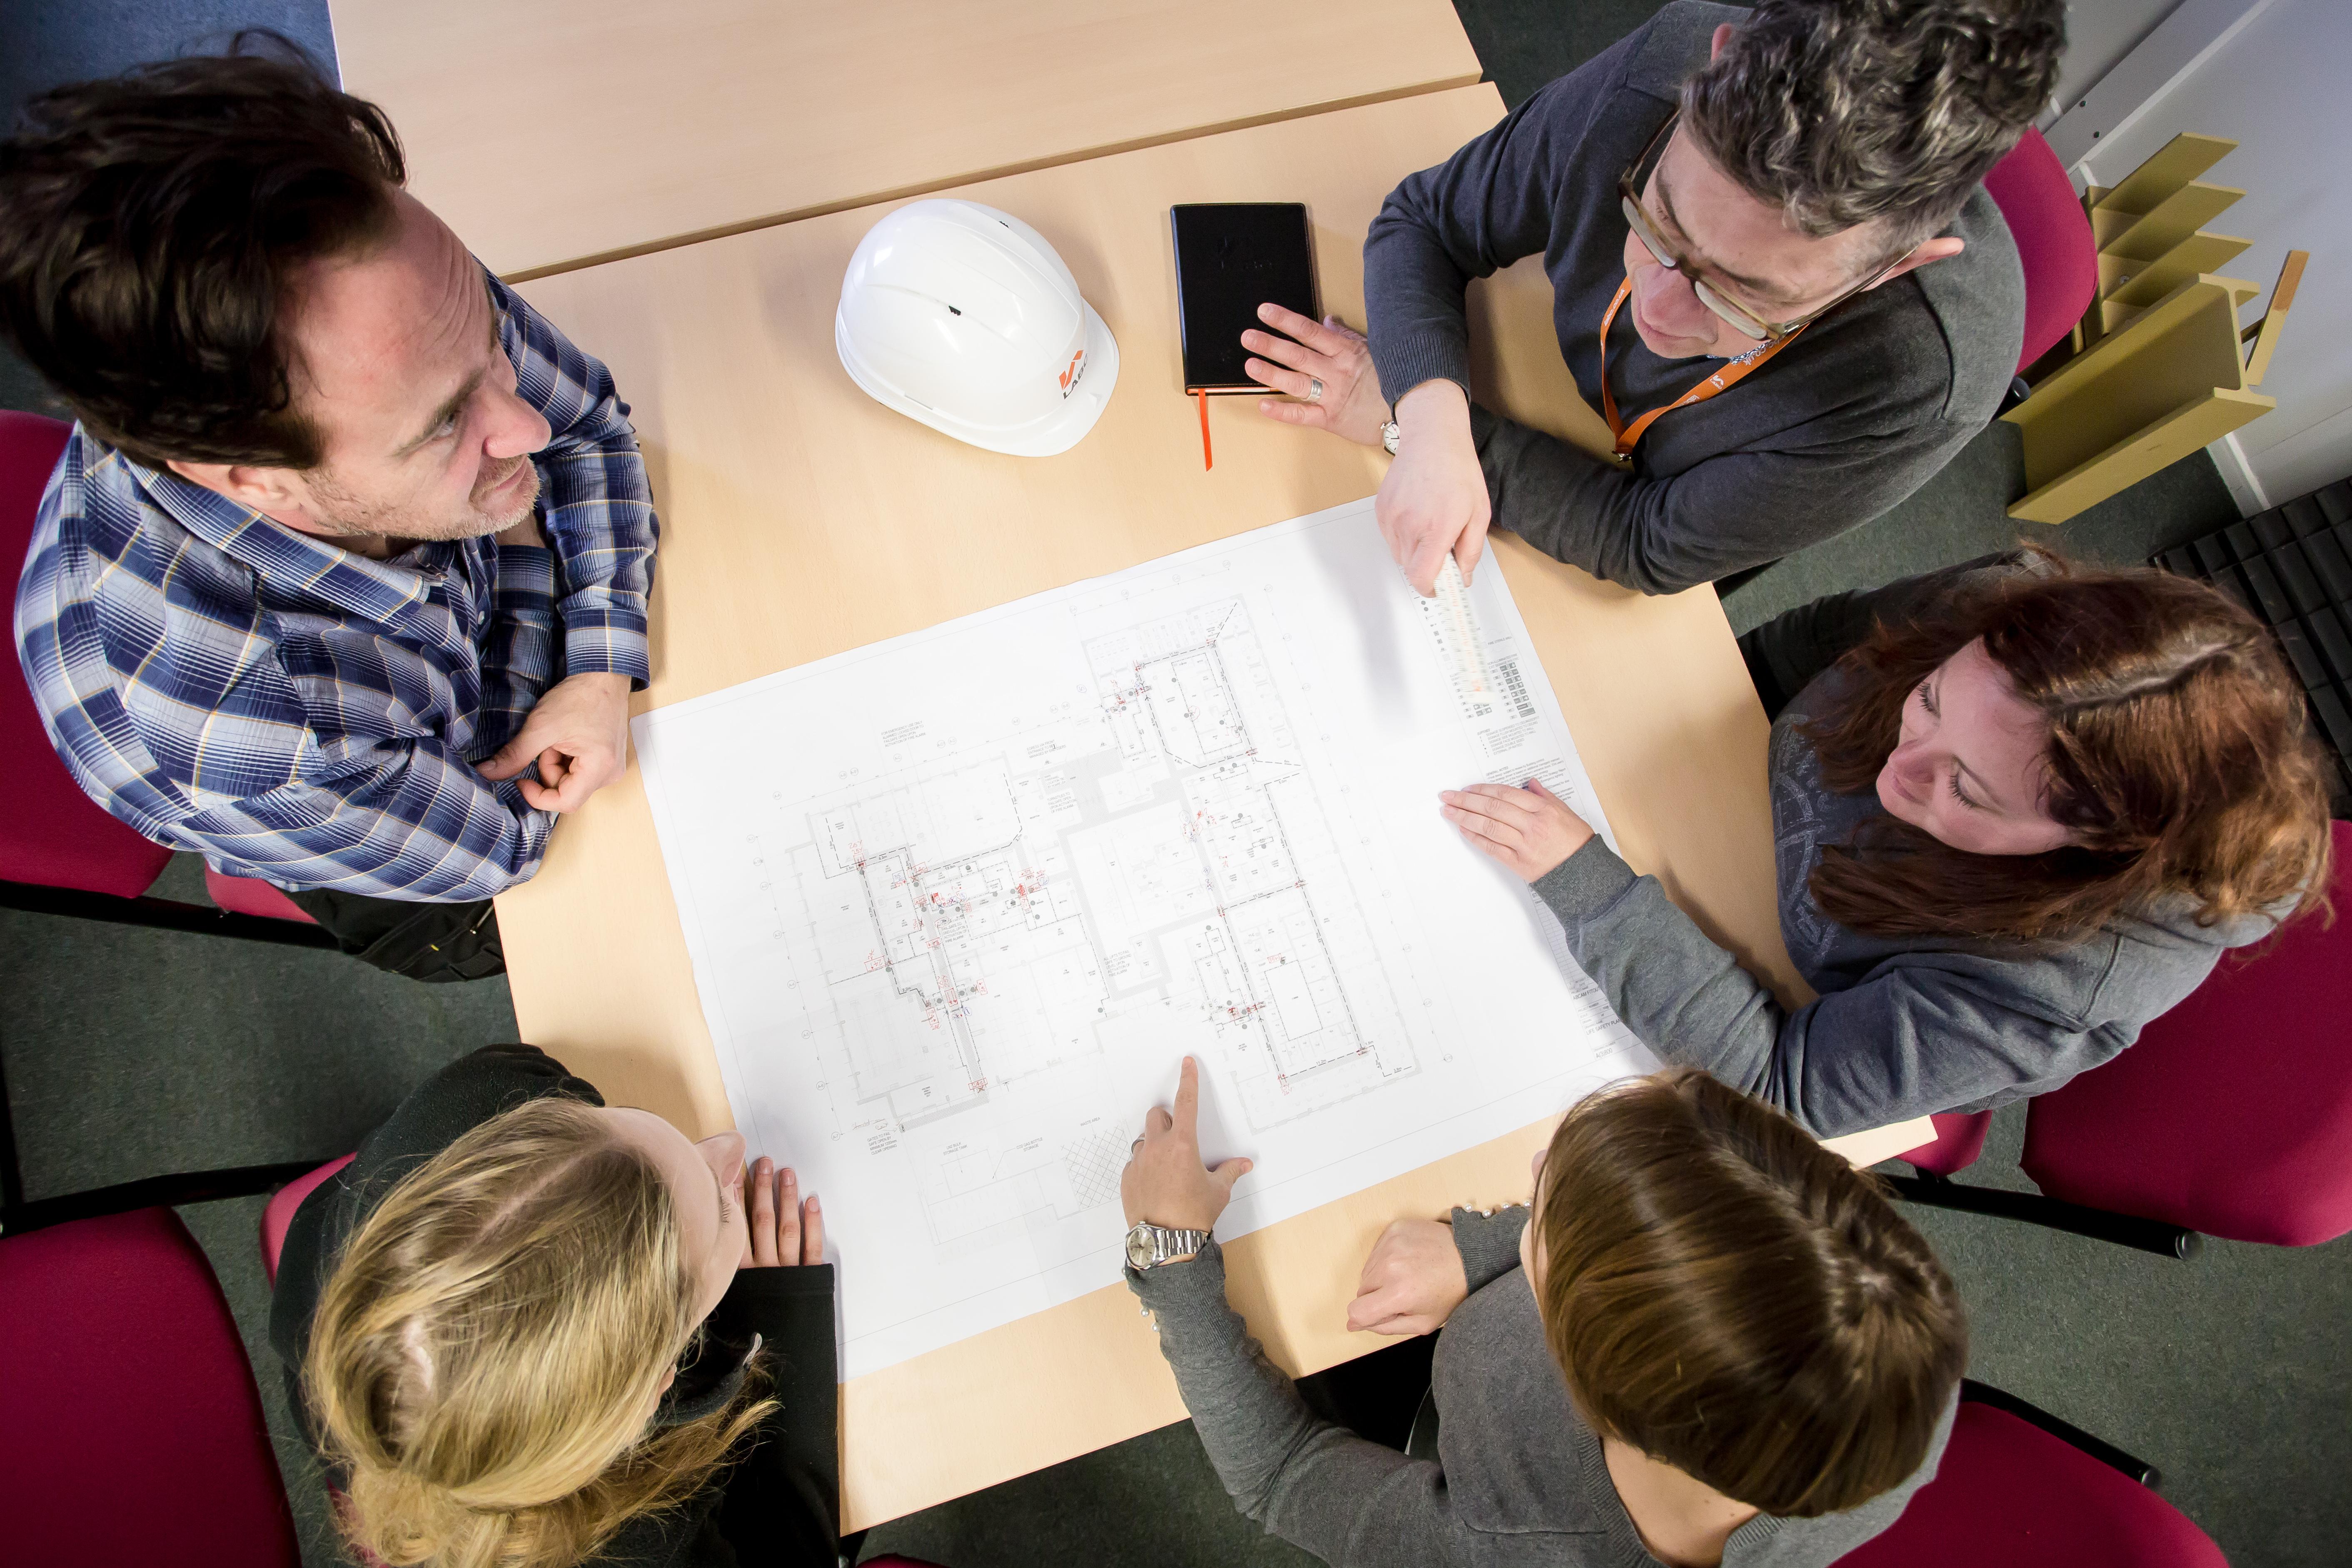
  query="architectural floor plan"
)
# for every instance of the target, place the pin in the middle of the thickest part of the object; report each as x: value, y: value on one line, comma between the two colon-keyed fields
x: 998, y: 878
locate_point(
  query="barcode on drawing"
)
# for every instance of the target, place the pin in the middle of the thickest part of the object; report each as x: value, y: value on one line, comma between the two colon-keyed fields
x: 1506, y: 676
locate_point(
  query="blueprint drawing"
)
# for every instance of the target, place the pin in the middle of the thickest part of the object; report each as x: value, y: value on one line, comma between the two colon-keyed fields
x: 960, y: 902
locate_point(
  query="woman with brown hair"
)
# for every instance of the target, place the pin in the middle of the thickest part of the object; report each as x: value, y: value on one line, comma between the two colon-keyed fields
x: 1711, y: 1340
x: 2019, y: 809
x: 528, y: 1330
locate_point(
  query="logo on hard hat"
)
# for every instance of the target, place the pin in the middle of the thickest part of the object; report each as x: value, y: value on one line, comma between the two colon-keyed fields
x: 1069, y: 378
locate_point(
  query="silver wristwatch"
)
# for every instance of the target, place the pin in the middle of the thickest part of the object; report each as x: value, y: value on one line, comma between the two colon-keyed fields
x: 1149, y: 1245
x: 1388, y: 435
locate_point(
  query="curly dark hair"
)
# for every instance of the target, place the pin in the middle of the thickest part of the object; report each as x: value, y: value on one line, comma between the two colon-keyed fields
x: 2180, y: 756
x: 148, y: 224
x: 1839, y: 111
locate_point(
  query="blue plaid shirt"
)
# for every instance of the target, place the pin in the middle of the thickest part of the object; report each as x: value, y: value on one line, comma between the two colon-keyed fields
x: 301, y: 714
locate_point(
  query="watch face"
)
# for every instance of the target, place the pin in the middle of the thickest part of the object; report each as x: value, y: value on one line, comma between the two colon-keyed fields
x: 1140, y: 1252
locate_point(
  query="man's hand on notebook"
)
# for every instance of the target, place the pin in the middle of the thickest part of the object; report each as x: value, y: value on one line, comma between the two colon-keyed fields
x: 1328, y: 350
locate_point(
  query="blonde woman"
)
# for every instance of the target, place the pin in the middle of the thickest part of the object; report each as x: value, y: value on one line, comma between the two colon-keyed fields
x: 530, y: 1329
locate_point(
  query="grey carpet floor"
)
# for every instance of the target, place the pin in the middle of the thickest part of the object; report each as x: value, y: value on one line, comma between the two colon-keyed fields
x: 133, y: 1052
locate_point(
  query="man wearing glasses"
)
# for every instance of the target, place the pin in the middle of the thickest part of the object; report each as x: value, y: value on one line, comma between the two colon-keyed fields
x: 1722, y: 200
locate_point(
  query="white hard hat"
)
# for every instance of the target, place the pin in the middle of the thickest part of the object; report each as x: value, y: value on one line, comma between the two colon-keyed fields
x: 962, y: 317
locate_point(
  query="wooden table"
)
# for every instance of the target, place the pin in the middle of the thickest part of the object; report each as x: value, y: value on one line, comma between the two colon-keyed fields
x: 554, y: 133
x: 801, y: 518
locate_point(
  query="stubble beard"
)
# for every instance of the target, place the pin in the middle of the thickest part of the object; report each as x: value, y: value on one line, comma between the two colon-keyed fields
x: 346, y: 515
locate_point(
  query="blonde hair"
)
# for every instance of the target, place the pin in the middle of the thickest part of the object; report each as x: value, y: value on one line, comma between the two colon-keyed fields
x: 491, y: 1340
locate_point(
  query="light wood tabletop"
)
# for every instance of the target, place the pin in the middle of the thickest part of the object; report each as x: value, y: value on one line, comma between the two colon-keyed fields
x: 547, y: 132
x: 801, y: 519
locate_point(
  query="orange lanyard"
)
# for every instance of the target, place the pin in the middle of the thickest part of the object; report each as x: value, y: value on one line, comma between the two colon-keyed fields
x: 1733, y: 371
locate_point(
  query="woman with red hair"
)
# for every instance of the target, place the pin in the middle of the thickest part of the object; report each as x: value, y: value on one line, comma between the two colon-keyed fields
x: 2019, y: 808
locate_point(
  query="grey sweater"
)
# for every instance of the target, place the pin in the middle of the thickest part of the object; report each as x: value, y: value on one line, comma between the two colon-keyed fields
x: 1843, y: 423
x: 1904, y: 1025
x: 1519, y: 1478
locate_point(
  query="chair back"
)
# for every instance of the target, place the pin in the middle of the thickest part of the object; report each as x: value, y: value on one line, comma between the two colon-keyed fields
x: 2007, y: 1492
x: 2232, y: 1113
x: 52, y: 835
x: 2053, y: 241
x: 250, y: 896
x: 134, y: 1433
x: 279, y: 1213
x: 1959, y: 1139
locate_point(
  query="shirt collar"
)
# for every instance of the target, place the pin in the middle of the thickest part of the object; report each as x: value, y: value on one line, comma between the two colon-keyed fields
x: 374, y: 590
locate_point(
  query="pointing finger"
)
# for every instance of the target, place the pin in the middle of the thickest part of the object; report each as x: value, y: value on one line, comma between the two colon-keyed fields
x: 1188, y: 1099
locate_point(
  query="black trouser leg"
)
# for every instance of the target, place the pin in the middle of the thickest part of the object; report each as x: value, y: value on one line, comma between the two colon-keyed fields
x: 435, y: 942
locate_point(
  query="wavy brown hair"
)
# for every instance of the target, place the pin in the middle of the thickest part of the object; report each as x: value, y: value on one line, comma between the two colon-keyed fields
x: 490, y: 1341
x: 1724, y: 1294
x: 2179, y: 761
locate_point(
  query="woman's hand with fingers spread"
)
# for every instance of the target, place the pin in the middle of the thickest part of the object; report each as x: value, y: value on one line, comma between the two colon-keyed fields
x: 1530, y: 830
x: 785, y: 1228
x: 1326, y: 350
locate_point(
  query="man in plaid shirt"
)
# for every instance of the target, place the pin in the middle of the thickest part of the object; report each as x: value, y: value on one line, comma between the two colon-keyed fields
x: 341, y: 580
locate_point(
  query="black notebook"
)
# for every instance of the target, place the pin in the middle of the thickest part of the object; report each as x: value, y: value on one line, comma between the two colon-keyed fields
x: 1232, y: 257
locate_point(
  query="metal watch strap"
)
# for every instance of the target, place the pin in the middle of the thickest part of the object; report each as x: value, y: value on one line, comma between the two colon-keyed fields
x: 1168, y: 1243
x: 1175, y: 1243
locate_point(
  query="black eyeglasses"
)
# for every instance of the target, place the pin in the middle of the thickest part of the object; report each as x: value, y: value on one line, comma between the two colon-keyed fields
x: 1741, y: 320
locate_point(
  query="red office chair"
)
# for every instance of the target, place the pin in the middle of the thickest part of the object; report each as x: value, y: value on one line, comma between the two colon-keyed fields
x: 133, y: 1426
x: 2020, y: 1488
x: 1959, y: 1139
x: 2053, y: 241
x: 2231, y: 1115
x: 279, y: 1213
x: 60, y: 853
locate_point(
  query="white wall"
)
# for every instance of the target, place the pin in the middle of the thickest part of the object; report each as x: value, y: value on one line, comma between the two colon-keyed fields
x: 2279, y: 84
x: 2099, y: 34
